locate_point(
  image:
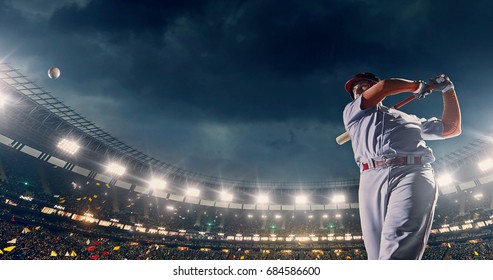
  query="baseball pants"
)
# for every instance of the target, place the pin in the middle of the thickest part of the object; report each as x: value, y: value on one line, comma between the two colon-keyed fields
x: 397, y: 205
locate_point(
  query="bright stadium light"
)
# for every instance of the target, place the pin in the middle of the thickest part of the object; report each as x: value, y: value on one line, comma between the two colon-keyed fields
x: 225, y: 196
x: 478, y: 196
x: 486, y: 164
x: 157, y: 184
x: 193, y: 192
x: 116, y: 169
x: 68, y: 146
x: 3, y: 100
x: 301, y: 199
x: 338, y: 198
x: 262, y: 199
x: 445, y: 179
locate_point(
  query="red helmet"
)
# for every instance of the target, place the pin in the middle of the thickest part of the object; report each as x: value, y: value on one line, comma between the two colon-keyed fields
x: 359, y: 77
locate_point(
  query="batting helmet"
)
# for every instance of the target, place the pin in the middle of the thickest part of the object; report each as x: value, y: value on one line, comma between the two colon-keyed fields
x: 359, y: 77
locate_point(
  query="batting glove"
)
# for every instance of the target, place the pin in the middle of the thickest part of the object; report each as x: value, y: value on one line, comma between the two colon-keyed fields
x: 441, y: 83
x: 423, y: 90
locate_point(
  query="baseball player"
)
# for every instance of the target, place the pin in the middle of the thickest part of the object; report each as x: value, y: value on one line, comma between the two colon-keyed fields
x: 397, y: 191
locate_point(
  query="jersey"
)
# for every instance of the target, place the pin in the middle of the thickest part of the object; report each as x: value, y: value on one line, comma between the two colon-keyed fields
x: 379, y: 132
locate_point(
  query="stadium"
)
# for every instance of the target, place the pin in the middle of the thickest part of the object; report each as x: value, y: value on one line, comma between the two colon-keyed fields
x: 70, y: 190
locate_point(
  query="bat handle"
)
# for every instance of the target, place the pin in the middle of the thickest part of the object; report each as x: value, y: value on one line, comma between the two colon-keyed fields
x: 404, y: 102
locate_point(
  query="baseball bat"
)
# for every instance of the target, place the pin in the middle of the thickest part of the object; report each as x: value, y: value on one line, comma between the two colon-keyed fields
x: 343, y: 138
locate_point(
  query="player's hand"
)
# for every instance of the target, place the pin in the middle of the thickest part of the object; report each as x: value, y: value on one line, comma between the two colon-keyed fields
x: 423, y: 90
x: 441, y: 83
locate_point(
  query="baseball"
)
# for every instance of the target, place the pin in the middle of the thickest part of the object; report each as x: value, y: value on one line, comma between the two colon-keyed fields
x: 54, y: 72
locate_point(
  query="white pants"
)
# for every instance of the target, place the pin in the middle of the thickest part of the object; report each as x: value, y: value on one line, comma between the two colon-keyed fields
x: 396, y: 207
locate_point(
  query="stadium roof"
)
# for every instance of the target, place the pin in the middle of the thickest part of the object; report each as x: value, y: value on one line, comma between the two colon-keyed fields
x: 40, y: 118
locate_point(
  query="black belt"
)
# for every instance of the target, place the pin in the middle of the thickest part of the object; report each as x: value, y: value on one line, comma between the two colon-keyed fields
x: 391, y: 161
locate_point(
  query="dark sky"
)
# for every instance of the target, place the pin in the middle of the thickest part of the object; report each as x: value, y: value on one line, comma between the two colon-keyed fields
x: 250, y: 90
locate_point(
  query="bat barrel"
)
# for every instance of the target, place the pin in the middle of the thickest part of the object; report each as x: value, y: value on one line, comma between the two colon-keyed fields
x: 343, y: 138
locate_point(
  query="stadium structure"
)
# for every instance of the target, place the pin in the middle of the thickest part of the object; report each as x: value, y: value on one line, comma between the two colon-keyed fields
x: 61, y: 172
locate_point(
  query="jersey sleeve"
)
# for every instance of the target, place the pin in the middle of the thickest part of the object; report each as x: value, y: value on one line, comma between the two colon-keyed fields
x: 432, y: 129
x: 353, y: 112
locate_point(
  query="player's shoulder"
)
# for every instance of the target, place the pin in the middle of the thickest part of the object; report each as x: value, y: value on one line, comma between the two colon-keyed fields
x: 354, y: 106
x: 351, y: 104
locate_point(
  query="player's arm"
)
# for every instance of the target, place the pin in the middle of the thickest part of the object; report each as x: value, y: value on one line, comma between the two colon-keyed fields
x: 387, y: 87
x: 451, y: 117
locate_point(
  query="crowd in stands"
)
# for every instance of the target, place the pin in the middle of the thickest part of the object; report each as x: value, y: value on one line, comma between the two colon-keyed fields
x: 94, y: 198
x: 476, y: 250
x: 20, y: 241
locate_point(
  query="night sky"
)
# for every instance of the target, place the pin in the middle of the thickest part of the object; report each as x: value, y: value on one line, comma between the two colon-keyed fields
x: 248, y: 90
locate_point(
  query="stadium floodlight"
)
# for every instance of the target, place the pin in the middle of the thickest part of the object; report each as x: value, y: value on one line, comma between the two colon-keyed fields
x: 445, y: 179
x: 68, y: 146
x: 262, y: 199
x: 116, y: 169
x: 157, y: 184
x: 478, y: 196
x: 486, y: 164
x: 225, y: 196
x: 193, y: 192
x: 338, y: 198
x: 3, y: 100
x: 301, y: 199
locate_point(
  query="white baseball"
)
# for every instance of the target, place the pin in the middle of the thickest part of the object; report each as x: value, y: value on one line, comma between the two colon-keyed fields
x: 54, y: 72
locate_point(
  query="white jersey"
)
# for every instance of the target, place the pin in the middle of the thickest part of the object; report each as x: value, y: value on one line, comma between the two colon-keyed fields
x: 379, y: 132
